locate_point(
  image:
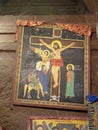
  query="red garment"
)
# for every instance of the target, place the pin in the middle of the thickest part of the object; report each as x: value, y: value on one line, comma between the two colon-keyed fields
x: 69, y: 76
x: 57, y: 62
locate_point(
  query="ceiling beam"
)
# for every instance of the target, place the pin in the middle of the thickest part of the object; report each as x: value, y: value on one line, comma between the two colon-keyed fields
x: 91, y: 5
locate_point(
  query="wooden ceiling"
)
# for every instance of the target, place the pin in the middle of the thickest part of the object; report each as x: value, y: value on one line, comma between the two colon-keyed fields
x: 44, y: 7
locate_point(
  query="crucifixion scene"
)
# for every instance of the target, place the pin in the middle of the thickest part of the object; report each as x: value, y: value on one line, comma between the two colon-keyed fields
x: 50, y: 66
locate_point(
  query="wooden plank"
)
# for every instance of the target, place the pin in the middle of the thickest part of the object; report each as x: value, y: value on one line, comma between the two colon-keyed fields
x: 8, y: 20
x: 11, y: 20
x: 43, y: 7
x: 40, y: 3
x: 39, y: 10
x: 7, y: 57
x: 7, y: 42
x: 7, y: 28
x: 7, y: 38
x: 8, y: 46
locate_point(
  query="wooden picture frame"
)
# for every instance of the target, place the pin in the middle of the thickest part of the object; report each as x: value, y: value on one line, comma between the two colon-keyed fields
x: 52, y: 68
x: 57, y: 123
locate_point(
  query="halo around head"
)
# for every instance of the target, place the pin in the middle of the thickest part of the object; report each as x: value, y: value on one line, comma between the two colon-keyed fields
x: 73, y: 67
x: 65, y: 129
x: 57, y: 42
x: 48, y: 52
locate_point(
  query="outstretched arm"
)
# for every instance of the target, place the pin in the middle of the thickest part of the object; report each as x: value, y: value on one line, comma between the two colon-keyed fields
x: 68, y: 46
x: 36, y: 50
x: 32, y: 48
x: 45, y: 44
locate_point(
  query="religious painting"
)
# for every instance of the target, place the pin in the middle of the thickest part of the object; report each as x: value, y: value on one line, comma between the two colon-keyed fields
x: 93, y: 115
x: 52, y: 68
x: 57, y: 123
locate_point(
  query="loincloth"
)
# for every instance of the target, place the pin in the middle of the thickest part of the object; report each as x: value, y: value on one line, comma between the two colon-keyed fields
x: 57, y: 62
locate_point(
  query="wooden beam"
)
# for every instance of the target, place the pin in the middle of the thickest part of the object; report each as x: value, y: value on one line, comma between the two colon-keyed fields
x: 91, y: 5
x: 44, y: 7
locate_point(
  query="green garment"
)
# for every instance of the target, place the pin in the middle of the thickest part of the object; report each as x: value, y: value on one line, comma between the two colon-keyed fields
x: 70, y: 85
